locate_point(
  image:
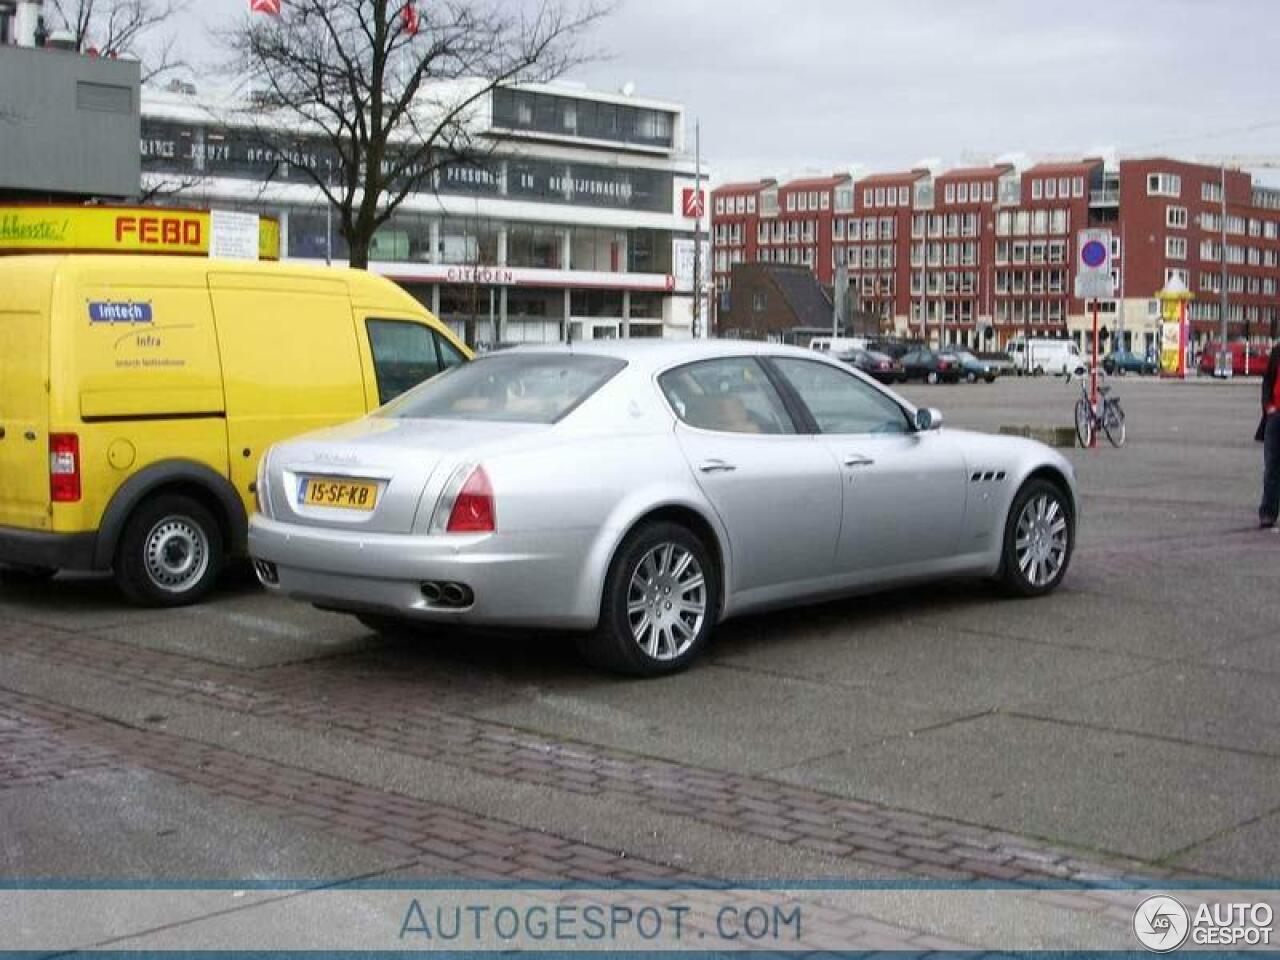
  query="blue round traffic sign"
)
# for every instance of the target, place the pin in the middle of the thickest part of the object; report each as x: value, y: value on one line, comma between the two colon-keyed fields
x: 1094, y: 253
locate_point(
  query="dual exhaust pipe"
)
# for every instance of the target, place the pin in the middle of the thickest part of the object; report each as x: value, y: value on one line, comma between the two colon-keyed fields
x: 453, y: 596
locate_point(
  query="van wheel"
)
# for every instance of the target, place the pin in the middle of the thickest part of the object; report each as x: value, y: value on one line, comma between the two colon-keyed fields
x: 170, y: 554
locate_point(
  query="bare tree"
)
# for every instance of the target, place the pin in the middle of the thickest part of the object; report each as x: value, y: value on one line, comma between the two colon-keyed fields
x: 384, y: 106
x: 126, y: 27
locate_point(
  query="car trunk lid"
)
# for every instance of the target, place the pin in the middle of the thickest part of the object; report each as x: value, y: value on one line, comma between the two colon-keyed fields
x: 372, y: 475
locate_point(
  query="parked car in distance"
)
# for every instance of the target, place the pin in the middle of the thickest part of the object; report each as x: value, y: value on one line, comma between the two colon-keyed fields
x: 172, y: 376
x: 1126, y: 361
x: 931, y: 366
x: 875, y: 364
x: 1000, y: 362
x: 1244, y: 362
x: 628, y: 491
x: 972, y: 369
x: 895, y: 347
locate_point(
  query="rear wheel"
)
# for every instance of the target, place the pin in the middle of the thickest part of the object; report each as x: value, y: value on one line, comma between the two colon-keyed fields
x: 971, y: 377
x: 932, y: 376
x: 660, y: 602
x: 171, y: 552
x: 1084, y: 423
x: 1039, y: 536
x: 1113, y: 424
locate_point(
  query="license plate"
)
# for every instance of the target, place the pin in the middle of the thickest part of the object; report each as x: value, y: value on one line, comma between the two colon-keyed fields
x: 339, y: 494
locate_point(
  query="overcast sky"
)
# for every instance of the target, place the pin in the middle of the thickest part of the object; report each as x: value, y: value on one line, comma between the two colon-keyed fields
x: 820, y: 85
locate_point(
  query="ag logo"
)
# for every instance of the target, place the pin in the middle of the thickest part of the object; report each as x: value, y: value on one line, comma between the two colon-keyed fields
x: 1161, y: 924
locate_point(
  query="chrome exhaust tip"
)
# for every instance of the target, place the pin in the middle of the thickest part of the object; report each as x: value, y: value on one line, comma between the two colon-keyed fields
x: 431, y: 592
x: 456, y: 595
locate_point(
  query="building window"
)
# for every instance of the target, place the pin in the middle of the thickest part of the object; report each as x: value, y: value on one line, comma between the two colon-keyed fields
x: 1211, y: 191
x: 904, y: 196
x: 1164, y: 185
x: 719, y: 205
x: 1051, y: 189
x: 803, y: 202
x: 1037, y: 189
x: 988, y: 192
x: 1175, y: 217
x: 1176, y: 273
x: 813, y: 200
x: 751, y: 204
x: 1077, y: 187
x: 950, y: 193
x: 879, y: 196
x: 1175, y: 248
x: 825, y: 201
x: 844, y: 199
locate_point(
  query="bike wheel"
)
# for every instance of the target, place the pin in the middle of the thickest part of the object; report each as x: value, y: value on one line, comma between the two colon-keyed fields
x: 1113, y: 424
x: 1084, y: 423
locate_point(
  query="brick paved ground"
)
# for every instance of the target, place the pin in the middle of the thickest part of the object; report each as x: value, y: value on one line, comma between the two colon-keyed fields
x: 324, y: 698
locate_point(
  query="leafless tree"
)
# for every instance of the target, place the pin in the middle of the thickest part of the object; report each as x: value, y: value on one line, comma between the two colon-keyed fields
x: 384, y: 108
x: 134, y: 28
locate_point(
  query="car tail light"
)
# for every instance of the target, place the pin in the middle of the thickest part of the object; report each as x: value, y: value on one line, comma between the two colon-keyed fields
x: 473, y: 510
x: 64, y: 468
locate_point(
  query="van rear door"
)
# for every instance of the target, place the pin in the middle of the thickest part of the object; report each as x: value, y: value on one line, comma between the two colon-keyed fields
x: 24, y: 419
x: 290, y: 362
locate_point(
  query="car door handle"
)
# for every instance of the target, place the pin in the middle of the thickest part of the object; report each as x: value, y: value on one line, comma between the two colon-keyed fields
x: 857, y: 460
x: 716, y: 466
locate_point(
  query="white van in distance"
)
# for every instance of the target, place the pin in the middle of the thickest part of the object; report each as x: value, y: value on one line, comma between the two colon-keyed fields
x: 1043, y: 355
x: 837, y: 345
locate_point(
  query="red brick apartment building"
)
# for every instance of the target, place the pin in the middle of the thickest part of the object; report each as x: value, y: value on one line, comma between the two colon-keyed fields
x: 954, y: 255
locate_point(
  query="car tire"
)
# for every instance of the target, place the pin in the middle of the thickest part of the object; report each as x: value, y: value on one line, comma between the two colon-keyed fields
x: 1036, y: 551
x: 648, y: 566
x: 971, y: 377
x: 991, y: 378
x: 171, y: 552
x: 932, y: 376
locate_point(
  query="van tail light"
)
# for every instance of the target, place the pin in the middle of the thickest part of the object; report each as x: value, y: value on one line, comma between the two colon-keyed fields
x: 473, y: 510
x: 64, y: 467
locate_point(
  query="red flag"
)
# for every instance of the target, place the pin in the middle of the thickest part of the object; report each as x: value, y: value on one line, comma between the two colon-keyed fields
x: 410, y: 16
x: 271, y: 7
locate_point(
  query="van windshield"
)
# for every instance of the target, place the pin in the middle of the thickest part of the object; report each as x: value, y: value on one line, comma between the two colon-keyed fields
x: 508, y: 387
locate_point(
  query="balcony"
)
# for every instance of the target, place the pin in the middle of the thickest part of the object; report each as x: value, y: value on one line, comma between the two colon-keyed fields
x: 1107, y: 197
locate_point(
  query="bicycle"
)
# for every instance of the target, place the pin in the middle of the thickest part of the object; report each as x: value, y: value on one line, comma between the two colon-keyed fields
x: 1108, y: 415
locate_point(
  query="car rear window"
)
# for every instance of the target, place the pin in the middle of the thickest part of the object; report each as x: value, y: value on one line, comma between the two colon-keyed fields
x: 510, y: 388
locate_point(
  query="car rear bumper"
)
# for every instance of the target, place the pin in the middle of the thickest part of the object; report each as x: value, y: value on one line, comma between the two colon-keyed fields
x: 533, y: 580
x: 39, y: 548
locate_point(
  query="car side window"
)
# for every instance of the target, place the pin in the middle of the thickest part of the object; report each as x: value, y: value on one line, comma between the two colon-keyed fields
x: 404, y: 355
x: 839, y: 401
x: 729, y: 395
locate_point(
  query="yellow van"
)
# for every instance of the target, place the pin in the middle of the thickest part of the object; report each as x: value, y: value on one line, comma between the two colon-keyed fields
x: 138, y: 393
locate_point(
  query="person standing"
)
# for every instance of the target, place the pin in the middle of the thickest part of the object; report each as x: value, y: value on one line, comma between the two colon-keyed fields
x: 1269, y: 435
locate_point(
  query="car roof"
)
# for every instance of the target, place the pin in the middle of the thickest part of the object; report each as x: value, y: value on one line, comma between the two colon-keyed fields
x: 661, y: 354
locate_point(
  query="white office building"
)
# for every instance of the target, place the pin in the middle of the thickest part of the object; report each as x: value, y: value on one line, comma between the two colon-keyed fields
x: 573, y: 224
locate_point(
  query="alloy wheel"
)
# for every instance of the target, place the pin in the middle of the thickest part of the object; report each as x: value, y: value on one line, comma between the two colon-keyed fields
x: 1041, y: 540
x: 666, y: 601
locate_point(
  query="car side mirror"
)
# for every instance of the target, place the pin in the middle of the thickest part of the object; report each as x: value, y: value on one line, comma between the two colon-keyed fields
x: 927, y: 418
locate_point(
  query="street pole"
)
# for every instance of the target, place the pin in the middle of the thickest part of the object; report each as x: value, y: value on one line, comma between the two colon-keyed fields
x: 1224, y: 354
x: 697, y: 230
x: 1093, y: 375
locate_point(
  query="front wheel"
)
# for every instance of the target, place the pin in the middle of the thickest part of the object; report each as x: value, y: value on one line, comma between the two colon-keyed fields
x: 660, y: 601
x: 170, y: 554
x: 932, y: 376
x: 1038, y: 540
x: 1084, y: 423
x: 971, y: 377
x: 1113, y: 424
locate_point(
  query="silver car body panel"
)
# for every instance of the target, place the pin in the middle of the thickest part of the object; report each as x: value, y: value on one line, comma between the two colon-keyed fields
x: 798, y: 518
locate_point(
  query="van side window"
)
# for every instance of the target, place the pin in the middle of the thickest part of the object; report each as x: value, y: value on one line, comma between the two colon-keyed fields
x: 404, y: 355
x: 449, y: 355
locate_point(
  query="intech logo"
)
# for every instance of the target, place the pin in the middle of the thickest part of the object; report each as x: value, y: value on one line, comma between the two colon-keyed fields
x: 1161, y: 924
x: 128, y: 313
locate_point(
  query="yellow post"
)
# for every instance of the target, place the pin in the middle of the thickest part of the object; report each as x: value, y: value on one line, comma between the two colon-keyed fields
x: 1173, y: 328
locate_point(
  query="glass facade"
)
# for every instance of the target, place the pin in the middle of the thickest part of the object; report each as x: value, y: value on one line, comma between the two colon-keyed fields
x: 194, y: 151
x: 559, y: 115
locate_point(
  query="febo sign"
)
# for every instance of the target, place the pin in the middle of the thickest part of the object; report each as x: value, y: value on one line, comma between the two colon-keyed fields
x: 695, y: 202
x: 160, y: 231
x: 1093, y: 265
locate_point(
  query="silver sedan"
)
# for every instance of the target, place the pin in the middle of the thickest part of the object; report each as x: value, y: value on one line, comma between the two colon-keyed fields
x: 641, y: 492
